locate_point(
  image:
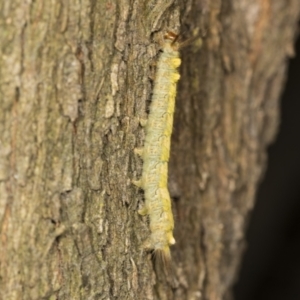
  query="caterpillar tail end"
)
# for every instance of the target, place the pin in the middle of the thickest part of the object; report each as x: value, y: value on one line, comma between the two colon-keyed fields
x: 163, y: 255
x: 163, y: 258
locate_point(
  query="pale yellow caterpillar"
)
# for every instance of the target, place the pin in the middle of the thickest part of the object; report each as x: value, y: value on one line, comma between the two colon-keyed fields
x: 156, y: 151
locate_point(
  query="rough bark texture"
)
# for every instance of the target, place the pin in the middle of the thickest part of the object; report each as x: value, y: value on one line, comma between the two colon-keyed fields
x: 74, y: 81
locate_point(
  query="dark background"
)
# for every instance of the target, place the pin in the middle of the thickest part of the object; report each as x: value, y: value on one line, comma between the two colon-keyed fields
x: 271, y: 265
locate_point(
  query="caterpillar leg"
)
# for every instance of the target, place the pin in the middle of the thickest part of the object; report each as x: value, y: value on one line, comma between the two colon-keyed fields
x: 143, y: 122
x: 137, y: 183
x: 139, y: 151
x: 143, y: 211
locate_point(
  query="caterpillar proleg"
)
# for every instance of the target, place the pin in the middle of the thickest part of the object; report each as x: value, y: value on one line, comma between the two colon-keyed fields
x: 156, y: 151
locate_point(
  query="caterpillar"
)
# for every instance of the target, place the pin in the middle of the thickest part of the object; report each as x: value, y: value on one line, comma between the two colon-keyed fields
x: 156, y: 151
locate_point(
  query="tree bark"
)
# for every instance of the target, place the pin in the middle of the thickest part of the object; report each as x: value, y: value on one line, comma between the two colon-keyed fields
x: 75, y: 79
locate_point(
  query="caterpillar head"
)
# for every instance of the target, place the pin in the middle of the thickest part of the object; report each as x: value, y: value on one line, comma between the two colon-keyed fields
x: 172, y: 39
x: 169, y: 35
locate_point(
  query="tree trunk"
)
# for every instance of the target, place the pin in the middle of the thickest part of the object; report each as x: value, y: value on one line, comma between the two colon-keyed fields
x: 74, y: 83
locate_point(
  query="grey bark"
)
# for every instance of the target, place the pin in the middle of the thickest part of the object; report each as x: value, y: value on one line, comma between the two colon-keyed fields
x: 75, y: 78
